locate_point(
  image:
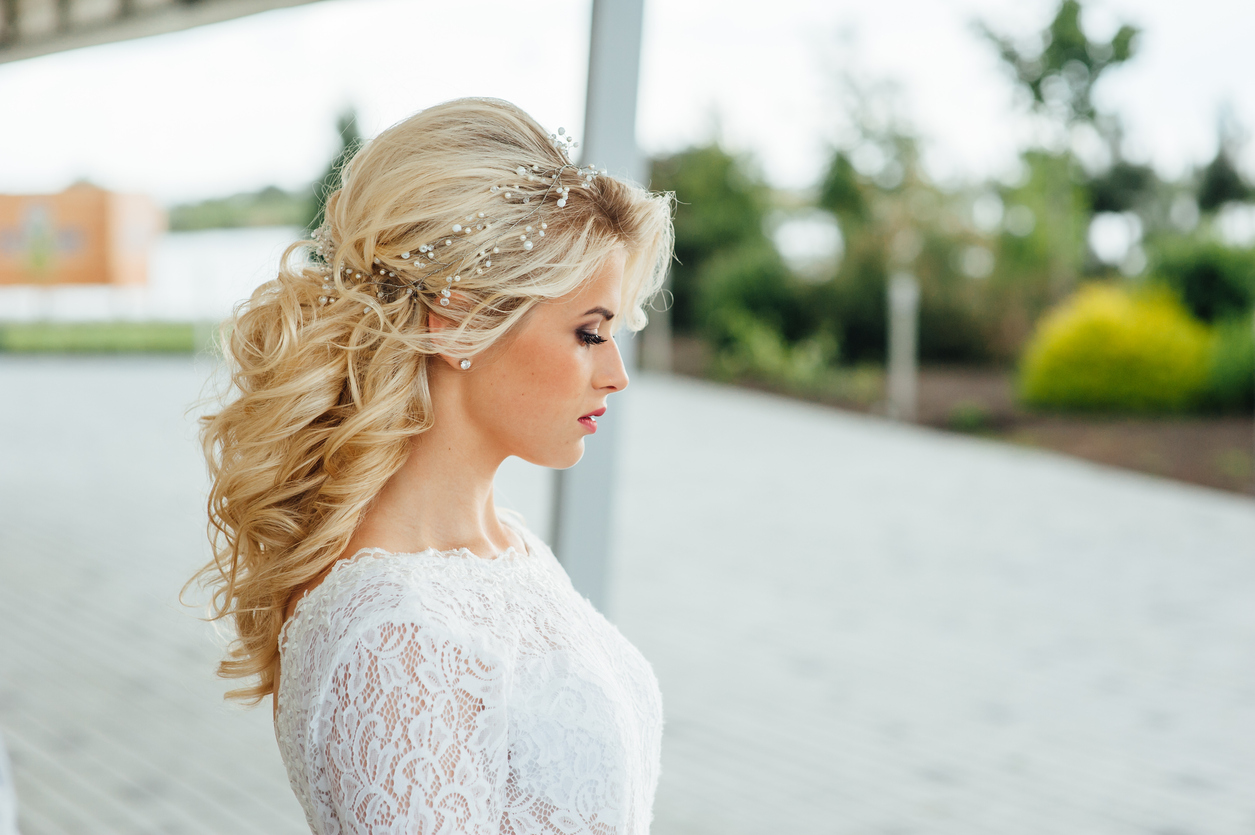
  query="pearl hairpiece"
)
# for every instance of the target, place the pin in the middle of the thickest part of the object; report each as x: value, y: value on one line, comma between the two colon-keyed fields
x: 423, y: 269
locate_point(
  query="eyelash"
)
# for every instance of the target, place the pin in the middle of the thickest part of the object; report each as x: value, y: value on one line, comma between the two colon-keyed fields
x: 590, y: 338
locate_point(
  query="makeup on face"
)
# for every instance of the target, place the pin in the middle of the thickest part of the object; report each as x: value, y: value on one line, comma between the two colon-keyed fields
x: 589, y: 421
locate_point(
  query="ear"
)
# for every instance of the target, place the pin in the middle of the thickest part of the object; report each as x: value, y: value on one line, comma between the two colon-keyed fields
x: 440, y: 326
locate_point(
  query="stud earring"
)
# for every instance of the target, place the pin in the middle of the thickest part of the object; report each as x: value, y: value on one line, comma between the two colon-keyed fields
x: 466, y: 364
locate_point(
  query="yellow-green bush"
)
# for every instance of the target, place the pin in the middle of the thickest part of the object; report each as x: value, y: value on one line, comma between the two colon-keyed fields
x: 1109, y: 349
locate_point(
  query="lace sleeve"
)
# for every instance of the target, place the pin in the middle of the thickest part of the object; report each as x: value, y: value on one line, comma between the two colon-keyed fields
x: 413, y: 736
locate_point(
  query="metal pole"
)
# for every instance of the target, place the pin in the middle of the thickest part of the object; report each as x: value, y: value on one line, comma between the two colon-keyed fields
x: 903, y: 324
x: 655, y: 352
x: 584, y: 495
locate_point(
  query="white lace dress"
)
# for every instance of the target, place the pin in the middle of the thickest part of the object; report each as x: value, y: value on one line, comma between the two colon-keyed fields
x: 445, y: 693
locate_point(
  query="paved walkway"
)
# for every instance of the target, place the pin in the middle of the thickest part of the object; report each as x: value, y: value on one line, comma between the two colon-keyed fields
x: 858, y: 627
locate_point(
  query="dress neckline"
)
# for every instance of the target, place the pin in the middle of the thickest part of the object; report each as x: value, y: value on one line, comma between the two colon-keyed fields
x: 464, y: 556
x: 510, y: 554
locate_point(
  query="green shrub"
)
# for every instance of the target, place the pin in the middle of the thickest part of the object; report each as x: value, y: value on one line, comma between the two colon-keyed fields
x: 752, y: 279
x: 1215, y: 281
x: 1231, y: 375
x: 721, y: 205
x: 1110, y: 350
x: 852, y: 303
x: 755, y: 349
x: 969, y: 416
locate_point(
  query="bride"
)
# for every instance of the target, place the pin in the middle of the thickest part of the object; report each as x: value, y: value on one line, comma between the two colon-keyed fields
x: 432, y: 668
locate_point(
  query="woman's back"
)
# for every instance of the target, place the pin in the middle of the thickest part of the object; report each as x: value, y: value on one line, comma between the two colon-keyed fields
x: 441, y: 692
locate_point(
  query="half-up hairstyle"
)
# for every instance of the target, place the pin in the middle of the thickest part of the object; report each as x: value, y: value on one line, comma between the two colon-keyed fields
x: 329, y: 360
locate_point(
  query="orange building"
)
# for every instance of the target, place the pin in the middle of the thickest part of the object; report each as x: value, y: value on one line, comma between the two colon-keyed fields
x: 84, y: 235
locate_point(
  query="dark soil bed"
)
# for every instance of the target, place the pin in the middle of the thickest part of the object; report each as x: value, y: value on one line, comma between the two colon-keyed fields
x: 1212, y: 451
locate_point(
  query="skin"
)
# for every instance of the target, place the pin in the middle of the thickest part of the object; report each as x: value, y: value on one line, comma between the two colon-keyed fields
x: 522, y: 397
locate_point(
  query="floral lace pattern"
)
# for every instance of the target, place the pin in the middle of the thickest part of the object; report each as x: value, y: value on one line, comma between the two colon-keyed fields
x: 444, y: 693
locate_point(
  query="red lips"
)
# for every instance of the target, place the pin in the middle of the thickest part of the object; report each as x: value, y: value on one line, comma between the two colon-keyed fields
x: 589, y: 421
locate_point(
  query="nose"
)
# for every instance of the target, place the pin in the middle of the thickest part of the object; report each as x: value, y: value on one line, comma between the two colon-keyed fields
x: 611, y: 374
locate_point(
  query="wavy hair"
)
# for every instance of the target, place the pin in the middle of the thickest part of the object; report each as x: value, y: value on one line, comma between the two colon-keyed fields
x: 328, y: 372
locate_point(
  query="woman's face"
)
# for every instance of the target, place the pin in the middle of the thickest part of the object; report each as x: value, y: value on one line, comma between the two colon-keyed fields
x: 537, y: 394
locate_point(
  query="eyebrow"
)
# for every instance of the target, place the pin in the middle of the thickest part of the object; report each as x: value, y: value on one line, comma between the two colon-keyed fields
x: 601, y: 310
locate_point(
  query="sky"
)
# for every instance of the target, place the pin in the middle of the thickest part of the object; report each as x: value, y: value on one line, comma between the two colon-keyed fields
x: 246, y: 103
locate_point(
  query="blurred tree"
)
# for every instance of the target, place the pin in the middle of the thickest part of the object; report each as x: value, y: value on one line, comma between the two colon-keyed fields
x: 1058, y: 78
x: 1221, y: 182
x: 841, y: 192
x: 1040, y: 247
x: 271, y: 206
x: 1123, y: 187
x: 892, y: 218
x: 721, y: 207
x: 350, y: 141
x: 1061, y: 74
x: 748, y: 279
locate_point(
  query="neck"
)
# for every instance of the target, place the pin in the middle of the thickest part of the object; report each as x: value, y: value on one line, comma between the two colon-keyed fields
x: 442, y: 497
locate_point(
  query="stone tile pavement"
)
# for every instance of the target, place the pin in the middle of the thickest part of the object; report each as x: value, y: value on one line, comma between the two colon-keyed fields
x: 108, y: 704
x: 861, y: 627
x: 858, y: 627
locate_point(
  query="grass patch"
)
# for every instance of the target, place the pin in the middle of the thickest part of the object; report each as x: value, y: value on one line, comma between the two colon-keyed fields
x: 969, y: 416
x: 98, y: 337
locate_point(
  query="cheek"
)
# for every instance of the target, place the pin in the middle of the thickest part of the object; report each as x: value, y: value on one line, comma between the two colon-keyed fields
x: 558, y: 375
x: 538, y: 380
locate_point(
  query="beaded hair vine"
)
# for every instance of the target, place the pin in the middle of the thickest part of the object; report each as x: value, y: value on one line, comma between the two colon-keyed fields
x: 425, y: 270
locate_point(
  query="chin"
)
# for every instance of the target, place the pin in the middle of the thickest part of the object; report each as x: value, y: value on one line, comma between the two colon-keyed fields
x: 572, y: 458
x: 561, y: 460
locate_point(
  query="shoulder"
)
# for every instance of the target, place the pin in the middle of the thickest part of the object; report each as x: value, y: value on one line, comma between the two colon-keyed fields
x: 372, y: 589
x: 514, y: 520
x: 378, y: 620
x: 456, y: 596
x: 537, y: 553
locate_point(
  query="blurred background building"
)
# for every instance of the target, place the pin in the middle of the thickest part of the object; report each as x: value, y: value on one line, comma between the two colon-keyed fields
x: 84, y: 235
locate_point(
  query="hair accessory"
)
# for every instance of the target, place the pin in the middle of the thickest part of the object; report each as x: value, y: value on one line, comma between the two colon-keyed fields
x: 427, y: 269
x: 465, y: 364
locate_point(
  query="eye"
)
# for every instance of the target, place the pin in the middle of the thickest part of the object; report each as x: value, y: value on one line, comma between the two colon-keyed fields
x: 590, y: 338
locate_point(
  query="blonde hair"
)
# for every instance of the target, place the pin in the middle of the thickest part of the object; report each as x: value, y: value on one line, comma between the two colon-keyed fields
x: 329, y: 375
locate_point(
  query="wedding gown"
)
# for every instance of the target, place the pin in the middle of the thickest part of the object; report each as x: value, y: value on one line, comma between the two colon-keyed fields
x: 442, y: 692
